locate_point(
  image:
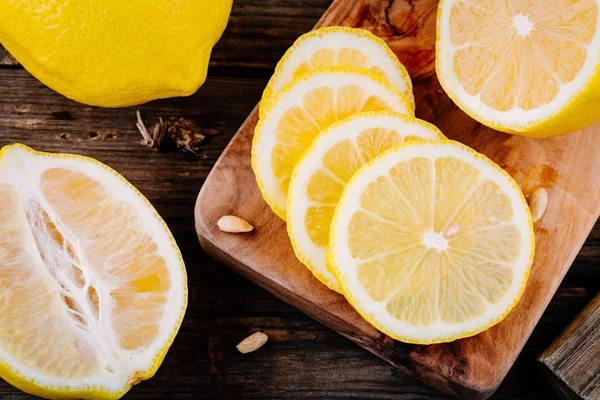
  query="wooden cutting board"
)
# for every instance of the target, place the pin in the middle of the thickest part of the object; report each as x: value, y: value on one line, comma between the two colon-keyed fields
x: 568, y: 167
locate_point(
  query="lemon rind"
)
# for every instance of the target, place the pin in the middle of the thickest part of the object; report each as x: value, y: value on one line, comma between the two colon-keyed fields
x: 185, y: 74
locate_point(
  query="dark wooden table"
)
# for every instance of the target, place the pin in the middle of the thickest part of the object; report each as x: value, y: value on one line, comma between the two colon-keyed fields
x: 303, y: 359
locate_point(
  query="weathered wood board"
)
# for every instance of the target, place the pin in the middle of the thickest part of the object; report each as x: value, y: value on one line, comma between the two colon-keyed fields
x: 572, y: 362
x: 568, y: 167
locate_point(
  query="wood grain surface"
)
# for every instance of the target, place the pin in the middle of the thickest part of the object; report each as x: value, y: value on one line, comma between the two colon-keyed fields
x: 572, y: 362
x: 567, y: 167
x: 303, y: 359
x: 5, y: 58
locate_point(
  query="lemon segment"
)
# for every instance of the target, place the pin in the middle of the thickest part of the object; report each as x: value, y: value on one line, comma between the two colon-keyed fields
x: 529, y: 68
x: 431, y: 242
x: 338, y: 46
x: 301, y: 110
x: 93, y: 288
x: 327, y: 165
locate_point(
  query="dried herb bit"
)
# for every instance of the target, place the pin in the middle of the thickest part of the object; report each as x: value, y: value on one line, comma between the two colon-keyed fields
x: 172, y: 135
x: 103, y: 135
x: 176, y: 134
x: 142, y: 128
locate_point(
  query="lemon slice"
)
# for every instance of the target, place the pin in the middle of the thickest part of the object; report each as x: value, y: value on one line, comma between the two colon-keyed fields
x: 325, y: 168
x: 524, y: 67
x: 302, y: 109
x: 92, y: 285
x: 431, y: 242
x: 338, y: 46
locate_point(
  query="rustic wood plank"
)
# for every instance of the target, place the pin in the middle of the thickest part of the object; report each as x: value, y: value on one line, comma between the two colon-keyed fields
x: 566, y: 166
x: 259, y: 32
x: 6, y: 58
x: 573, y: 360
x: 35, y: 114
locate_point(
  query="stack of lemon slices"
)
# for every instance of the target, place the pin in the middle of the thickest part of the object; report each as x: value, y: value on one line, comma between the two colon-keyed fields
x: 427, y: 239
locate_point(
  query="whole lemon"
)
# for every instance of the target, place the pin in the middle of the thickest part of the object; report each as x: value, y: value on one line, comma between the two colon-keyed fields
x: 114, y: 53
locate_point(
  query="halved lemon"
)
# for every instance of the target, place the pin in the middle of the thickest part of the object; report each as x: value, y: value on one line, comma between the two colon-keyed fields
x: 302, y: 109
x: 93, y: 288
x: 338, y: 46
x: 522, y: 66
x: 325, y: 168
x: 431, y: 242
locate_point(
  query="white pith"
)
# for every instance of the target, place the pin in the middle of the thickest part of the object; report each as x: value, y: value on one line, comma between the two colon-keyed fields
x: 346, y: 266
x: 435, y: 240
x: 265, y: 139
x: 299, y: 202
x: 22, y: 169
x: 522, y: 24
x: 516, y: 118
